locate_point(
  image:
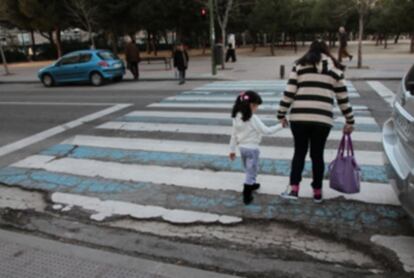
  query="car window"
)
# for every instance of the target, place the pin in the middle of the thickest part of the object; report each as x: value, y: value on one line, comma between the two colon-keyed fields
x: 107, y: 56
x: 69, y: 60
x: 84, y: 58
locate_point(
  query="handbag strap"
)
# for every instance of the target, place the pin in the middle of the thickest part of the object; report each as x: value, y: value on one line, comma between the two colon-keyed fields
x: 342, y: 146
x: 349, y: 146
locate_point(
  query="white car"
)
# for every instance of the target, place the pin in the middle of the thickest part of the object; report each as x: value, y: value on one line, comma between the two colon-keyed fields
x: 398, y: 143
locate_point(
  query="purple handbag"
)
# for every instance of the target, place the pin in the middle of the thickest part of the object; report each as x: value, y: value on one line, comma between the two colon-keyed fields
x: 345, y: 174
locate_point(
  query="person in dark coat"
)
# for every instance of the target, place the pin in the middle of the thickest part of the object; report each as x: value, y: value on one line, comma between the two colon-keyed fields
x: 343, y: 44
x: 181, y: 60
x: 132, y: 57
x: 231, y: 53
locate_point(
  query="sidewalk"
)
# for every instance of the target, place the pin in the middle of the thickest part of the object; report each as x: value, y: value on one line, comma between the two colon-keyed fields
x: 382, y: 64
x: 24, y: 256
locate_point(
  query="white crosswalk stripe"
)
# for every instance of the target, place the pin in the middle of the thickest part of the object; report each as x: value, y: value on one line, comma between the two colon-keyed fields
x: 199, y: 179
x: 186, y: 147
x: 222, y: 116
x: 220, y: 130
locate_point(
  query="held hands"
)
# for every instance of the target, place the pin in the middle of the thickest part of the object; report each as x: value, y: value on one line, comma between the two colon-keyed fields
x: 348, y: 129
x: 232, y: 156
x: 284, y: 123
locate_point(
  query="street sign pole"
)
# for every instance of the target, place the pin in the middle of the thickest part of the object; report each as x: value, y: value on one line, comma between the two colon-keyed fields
x: 212, y: 37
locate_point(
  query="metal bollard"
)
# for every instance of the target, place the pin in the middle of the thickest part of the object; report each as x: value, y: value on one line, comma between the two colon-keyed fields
x: 282, y: 71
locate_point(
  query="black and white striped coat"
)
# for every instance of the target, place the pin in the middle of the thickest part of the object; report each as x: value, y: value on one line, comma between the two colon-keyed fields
x: 311, y: 93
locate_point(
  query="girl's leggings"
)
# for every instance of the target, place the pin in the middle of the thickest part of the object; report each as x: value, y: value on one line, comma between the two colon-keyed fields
x: 250, y: 159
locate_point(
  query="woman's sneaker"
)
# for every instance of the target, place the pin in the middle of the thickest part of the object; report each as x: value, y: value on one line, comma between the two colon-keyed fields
x: 293, y: 194
x: 317, y: 196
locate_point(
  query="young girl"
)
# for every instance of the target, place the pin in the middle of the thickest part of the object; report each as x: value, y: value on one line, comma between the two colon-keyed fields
x: 247, y: 133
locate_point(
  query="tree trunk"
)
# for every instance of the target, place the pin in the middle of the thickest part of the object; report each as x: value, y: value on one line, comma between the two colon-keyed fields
x: 272, y: 45
x: 397, y: 38
x: 360, y: 37
x: 4, y: 61
x: 155, y: 43
x: 295, y: 43
x: 33, y: 44
x: 385, y: 41
x: 112, y: 39
x: 58, y: 42
x: 148, y: 42
x: 412, y: 43
x: 223, y: 52
x: 254, y: 42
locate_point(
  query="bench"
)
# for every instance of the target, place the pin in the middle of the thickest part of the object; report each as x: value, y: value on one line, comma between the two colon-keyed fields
x: 166, y: 60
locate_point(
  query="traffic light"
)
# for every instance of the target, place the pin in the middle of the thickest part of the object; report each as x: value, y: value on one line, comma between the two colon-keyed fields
x: 203, y: 12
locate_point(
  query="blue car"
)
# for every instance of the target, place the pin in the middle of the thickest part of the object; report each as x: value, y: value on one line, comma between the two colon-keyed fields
x: 94, y: 66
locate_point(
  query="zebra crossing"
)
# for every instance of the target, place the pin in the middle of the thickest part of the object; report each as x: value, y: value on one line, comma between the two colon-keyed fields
x: 116, y: 172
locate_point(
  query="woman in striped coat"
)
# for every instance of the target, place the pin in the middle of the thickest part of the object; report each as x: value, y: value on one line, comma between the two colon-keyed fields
x: 315, y: 82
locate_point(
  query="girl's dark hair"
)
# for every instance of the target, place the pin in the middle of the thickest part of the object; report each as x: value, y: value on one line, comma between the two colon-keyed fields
x: 314, y: 55
x: 242, y: 104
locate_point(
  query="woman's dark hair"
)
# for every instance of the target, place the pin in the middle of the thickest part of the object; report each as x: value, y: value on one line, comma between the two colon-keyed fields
x: 314, y: 55
x: 242, y: 104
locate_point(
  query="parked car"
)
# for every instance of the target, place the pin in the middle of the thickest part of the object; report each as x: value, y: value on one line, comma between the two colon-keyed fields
x: 398, y: 143
x: 94, y: 66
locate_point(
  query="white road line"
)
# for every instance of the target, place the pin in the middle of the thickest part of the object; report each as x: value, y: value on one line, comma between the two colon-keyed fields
x: 105, y: 209
x: 235, y: 93
x: 227, y: 106
x: 7, y: 149
x: 370, y: 192
x: 220, y: 116
x: 374, y: 137
x: 382, y: 91
x: 186, y: 147
x: 35, y: 103
x: 216, y: 98
x: 224, y: 98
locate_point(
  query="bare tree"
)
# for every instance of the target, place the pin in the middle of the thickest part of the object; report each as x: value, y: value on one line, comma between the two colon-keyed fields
x: 2, y: 55
x: 363, y: 7
x: 84, y: 12
x: 223, y: 9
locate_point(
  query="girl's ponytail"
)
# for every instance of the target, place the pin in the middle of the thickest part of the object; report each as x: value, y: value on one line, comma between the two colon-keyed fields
x: 242, y: 104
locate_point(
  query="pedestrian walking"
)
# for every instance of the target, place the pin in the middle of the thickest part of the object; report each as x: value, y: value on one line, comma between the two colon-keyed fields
x: 181, y: 60
x: 132, y: 57
x: 315, y: 82
x: 343, y: 45
x: 247, y: 134
x: 30, y: 54
x: 231, y: 53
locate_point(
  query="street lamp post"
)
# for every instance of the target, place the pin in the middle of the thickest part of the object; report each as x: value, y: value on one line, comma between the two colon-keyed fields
x: 212, y: 37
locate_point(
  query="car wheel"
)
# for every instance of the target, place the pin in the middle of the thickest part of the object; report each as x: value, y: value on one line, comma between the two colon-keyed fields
x: 118, y: 78
x: 47, y: 80
x: 96, y: 79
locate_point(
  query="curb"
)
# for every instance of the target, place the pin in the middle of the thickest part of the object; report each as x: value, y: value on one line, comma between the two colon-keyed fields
x: 207, y: 80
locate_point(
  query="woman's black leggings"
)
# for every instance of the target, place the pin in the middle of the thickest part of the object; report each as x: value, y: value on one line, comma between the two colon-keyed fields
x: 315, y: 136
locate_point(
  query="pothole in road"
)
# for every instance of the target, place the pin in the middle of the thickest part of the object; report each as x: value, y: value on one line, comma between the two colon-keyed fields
x: 19, y: 199
x: 267, y: 236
